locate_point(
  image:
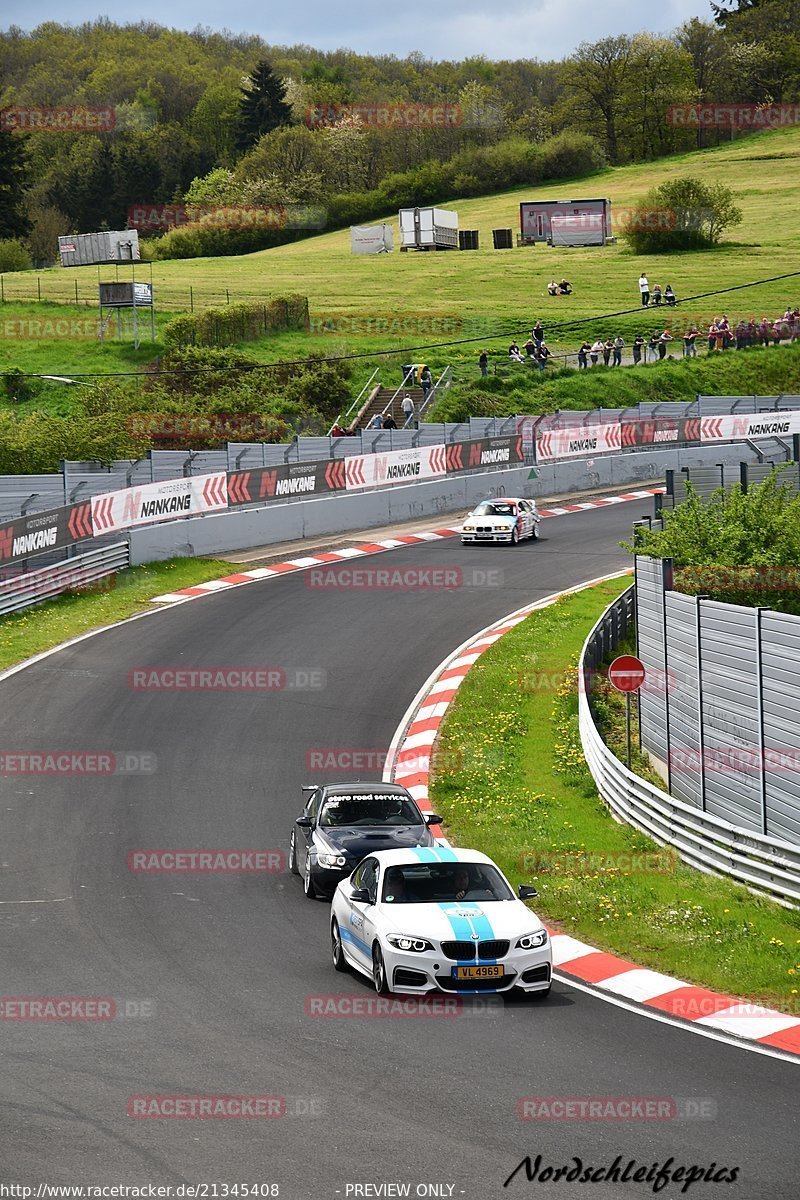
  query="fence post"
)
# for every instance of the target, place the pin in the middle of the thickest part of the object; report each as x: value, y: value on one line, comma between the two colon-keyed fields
x: 76, y: 291
x: 191, y: 299
x: 39, y: 286
x: 2, y: 290
x: 701, y: 747
x: 227, y: 296
x: 762, y: 747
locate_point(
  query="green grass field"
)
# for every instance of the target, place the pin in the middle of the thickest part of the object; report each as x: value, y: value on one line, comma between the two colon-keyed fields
x: 486, y: 294
x: 509, y: 778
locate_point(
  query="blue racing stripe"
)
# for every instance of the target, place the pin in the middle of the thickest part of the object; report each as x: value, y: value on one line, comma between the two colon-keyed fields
x: 425, y: 854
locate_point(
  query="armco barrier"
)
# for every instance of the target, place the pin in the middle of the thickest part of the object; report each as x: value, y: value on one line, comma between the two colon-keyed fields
x: 765, y: 864
x: 79, y: 573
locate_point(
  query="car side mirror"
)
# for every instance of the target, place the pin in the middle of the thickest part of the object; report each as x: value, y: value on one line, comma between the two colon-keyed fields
x: 526, y: 892
x: 360, y: 895
x: 304, y: 822
x: 433, y: 819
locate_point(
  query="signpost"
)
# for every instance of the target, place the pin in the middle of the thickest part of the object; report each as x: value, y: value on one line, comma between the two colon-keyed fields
x: 627, y: 675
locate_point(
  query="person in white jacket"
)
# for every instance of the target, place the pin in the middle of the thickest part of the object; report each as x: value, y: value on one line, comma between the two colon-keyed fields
x: 644, y: 288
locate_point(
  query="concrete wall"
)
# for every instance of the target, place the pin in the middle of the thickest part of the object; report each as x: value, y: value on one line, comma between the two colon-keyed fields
x: 239, y: 529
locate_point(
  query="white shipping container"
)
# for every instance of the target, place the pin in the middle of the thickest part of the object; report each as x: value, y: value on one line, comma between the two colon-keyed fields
x: 428, y: 228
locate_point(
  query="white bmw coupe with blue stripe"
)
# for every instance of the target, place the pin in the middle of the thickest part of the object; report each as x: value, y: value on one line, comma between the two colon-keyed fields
x: 422, y: 920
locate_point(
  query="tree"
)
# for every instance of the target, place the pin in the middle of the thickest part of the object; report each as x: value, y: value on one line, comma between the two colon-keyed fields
x: 706, y: 47
x: 13, y: 222
x: 595, y: 75
x: 262, y: 106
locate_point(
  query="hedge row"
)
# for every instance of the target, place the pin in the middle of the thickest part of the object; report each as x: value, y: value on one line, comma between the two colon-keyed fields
x: 237, y: 323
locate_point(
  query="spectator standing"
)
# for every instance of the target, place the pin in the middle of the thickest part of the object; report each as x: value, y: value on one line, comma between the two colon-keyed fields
x: 542, y: 355
x: 663, y: 342
x: 644, y: 289
x: 657, y: 294
x: 336, y: 431
x: 689, y: 339
x: 389, y: 422
x: 409, y: 413
x: 597, y: 349
x: 483, y: 362
x: 652, y: 346
x: 582, y: 353
x: 752, y: 332
x: 719, y: 336
x: 608, y: 346
x: 669, y: 295
x: 638, y: 343
x: 376, y: 422
x: 712, y: 336
x: 764, y: 331
x: 426, y: 383
x: 537, y: 333
x: 618, y: 345
x: 724, y: 325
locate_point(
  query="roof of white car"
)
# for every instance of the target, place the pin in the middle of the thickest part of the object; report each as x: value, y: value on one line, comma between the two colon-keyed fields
x: 443, y: 854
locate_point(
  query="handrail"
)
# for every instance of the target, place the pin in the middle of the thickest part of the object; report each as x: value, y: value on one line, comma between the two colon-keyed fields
x: 408, y: 375
x: 444, y: 380
x: 763, y: 864
x: 356, y: 401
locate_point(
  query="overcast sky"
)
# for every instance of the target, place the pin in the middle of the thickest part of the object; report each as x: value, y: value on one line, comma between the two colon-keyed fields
x: 516, y: 29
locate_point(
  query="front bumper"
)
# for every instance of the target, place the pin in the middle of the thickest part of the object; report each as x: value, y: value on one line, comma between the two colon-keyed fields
x: 503, y: 535
x: 414, y: 974
x: 327, y: 879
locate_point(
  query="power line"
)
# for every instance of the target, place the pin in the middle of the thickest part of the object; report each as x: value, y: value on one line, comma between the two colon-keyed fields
x: 404, y: 350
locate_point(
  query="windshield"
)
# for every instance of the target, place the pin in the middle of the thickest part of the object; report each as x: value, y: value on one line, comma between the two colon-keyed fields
x: 369, y: 809
x: 497, y: 508
x: 435, y: 883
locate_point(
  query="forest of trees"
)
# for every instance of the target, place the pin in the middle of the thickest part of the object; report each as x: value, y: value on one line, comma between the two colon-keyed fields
x: 216, y: 118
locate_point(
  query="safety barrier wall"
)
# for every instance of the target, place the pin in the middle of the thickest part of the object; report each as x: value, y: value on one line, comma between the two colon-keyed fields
x: 765, y: 863
x: 316, y: 516
x: 725, y: 725
x: 83, y: 572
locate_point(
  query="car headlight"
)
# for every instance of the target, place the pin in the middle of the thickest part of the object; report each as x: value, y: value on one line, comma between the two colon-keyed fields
x: 531, y: 940
x: 502, y: 529
x: 331, y: 860
x: 468, y: 529
x: 401, y: 942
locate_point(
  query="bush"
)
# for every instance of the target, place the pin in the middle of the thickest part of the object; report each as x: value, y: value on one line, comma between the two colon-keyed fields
x: 682, y: 214
x: 237, y: 322
x: 14, y: 256
x: 570, y: 154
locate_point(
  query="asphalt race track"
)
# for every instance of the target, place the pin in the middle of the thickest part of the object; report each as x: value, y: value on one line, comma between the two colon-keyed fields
x: 225, y: 964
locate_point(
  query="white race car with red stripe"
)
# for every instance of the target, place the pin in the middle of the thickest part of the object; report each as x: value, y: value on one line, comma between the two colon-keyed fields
x: 506, y: 519
x: 438, y: 919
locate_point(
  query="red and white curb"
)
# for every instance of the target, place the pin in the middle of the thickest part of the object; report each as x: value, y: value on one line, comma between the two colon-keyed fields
x: 378, y: 547
x: 675, y: 1001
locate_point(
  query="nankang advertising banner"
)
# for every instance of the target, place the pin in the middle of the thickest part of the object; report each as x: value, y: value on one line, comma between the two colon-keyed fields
x: 576, y: 440
x: 42, y: 531
x: 736, y: 428
x: 159, y: 502
x: 396, y: 466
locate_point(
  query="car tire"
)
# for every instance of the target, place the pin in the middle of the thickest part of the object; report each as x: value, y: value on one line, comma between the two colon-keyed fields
x: 515, y: 536
x: 292, y: 859
x: 379, y: 979
x: 535, y: 532
x: 339, y: 961
x: 308, y: 882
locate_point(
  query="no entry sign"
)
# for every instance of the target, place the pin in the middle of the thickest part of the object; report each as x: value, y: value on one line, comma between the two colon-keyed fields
x: 626, y: 673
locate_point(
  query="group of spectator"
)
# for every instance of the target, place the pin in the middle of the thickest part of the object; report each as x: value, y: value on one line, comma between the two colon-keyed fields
x: 535, y: 351
x: 657, y: 296
x: 559, y: 289
x: 610, y: 350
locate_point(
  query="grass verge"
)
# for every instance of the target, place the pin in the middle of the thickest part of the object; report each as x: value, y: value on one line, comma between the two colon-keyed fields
x: 509, y: 777
x: 36, y: 629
